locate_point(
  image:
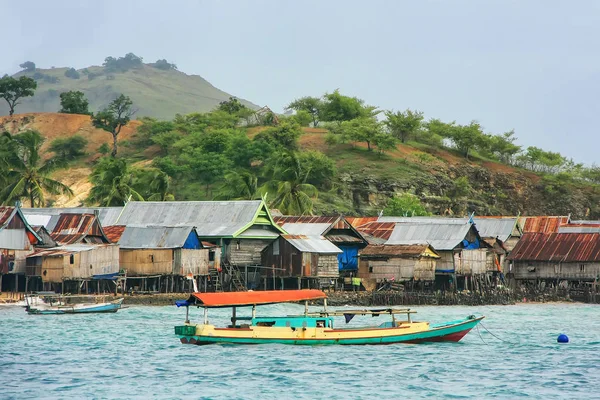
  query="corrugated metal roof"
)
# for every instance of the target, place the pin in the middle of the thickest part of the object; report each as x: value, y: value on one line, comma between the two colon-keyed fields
x: 542, y: 224
x: 305, y: 219
x: 360, y: 221
x: 66, y: 250
x: 558, y: 247
x: 107, y: 215
x: 258, y: 232
x: 501, y: 228
x: 424, y: 220
x: 341, y: 238
x: 73, y: 228
x: 312, y: 244
x: 439, y: 236
x: 295, y: 228
x: 382, y: 230
x: 211, y: 218
x: 584, y: 222
x: 6, y: 214
x: 412, y: 250
x: 114, y: 232
x: 154, y: 237
x: 579, y: 228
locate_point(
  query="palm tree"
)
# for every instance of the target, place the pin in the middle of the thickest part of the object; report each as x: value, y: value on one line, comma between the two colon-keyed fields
x: 113, y: 183
x: 293, y: 196
x: 157, y: 184
x: 240, y: 185
x: 26, y: 175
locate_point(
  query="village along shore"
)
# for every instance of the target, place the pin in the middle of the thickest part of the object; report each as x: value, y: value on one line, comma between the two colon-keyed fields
x: 396, y: 298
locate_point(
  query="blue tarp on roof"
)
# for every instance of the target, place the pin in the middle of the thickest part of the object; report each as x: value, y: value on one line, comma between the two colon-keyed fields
x: 192, y: 241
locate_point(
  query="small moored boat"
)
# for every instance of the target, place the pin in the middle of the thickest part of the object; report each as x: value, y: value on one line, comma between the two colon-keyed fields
x: 57, y: 304
x: 309, y: 328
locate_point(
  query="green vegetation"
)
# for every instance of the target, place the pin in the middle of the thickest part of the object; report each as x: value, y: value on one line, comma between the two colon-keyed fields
x: 68, y: 149
x: 114, y: 117
x: 74, y: 102
x: 405, y: 205
x: 13, y: 90
x: 23, y: 174
x: 158, y: 89
x: 72, y: 73
x: 28, y: 66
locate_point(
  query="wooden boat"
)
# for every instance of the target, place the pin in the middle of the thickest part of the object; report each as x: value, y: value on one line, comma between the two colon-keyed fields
x: 56, y: 304
x: 310, y: 328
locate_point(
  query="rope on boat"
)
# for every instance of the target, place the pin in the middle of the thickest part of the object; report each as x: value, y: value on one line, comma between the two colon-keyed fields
x: 480, y: 337
x: 488, y: 331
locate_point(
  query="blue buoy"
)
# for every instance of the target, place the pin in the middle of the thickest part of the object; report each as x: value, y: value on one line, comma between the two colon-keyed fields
x: 562, y: 338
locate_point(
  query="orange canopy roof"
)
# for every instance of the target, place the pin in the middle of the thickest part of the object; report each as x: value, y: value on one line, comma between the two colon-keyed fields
x: 231, y: 299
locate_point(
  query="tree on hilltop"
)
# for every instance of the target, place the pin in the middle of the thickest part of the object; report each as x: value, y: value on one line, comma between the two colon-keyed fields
x: 74, y: 102
x: 28, y: 66
x: 12, y: 90
x: 311, y: 105
x: 403, y: 124
x: 114, y: 117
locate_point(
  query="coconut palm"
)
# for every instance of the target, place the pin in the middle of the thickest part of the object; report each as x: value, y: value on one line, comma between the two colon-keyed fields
x: 113, y: 182
x: 291, y: 194
x: 26, y: 175
x: 154, y: 184
x: 240, y: 185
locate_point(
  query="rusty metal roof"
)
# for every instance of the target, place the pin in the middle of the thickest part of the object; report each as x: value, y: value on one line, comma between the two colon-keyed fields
x: 542, y: 224
x: 7, y: 219
x: 305, y: 219
x: 114, y: 232
x: 360, y: 221
x: 6, y: 214
x: 74, y: 228
x: 382, y: 230
x: 411, y: 250
x: 558, y: 247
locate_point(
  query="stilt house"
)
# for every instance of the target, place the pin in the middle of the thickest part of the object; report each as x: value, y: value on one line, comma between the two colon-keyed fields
x: 17, y: 240
x: 336, y: 229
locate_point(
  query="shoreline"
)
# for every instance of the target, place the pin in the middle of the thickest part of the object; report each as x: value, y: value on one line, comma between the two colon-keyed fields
x: 374, y: 299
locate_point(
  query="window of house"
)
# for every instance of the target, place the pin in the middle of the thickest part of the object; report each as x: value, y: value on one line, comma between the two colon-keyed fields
x: 151, y: 257
x: 276, y: 248
x: 71, y: 259
x: 581, y: 267
x: 370, y: 269
x: 211, y: 256
x: 237, y: 245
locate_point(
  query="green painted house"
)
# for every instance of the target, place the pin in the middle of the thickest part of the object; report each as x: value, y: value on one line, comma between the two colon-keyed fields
x: 242, y: 228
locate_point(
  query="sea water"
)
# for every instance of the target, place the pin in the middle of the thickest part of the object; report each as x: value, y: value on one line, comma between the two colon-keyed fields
x: 135, y: 354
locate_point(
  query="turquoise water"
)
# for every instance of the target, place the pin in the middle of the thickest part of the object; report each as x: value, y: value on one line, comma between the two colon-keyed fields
x: 134, y: 354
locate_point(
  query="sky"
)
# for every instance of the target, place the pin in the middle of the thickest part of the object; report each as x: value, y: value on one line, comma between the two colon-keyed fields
x: 528, y: 65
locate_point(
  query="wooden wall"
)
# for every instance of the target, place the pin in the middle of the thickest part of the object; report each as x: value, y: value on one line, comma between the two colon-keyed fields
x: 399, y: 269
x: 246, y: 251
x: 548, y: 270
x: 100, y: 260
x: 327, y: 266
x: 142, y: 262
x: 191, y: 261
x: 470, y: 262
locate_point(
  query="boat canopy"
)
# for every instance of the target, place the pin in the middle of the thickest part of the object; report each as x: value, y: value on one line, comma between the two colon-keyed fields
x: 236, y: 299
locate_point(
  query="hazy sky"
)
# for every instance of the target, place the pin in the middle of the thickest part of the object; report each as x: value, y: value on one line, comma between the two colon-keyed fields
x: 529, y: 65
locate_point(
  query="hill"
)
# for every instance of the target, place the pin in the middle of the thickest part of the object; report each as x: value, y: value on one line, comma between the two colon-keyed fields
x: 155, y: 92
x: 364, y: 181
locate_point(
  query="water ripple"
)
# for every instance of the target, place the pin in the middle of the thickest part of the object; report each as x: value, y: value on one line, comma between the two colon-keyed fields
x: 134, y: 354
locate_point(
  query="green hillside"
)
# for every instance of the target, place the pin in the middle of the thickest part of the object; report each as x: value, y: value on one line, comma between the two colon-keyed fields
x: 155, y: 92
